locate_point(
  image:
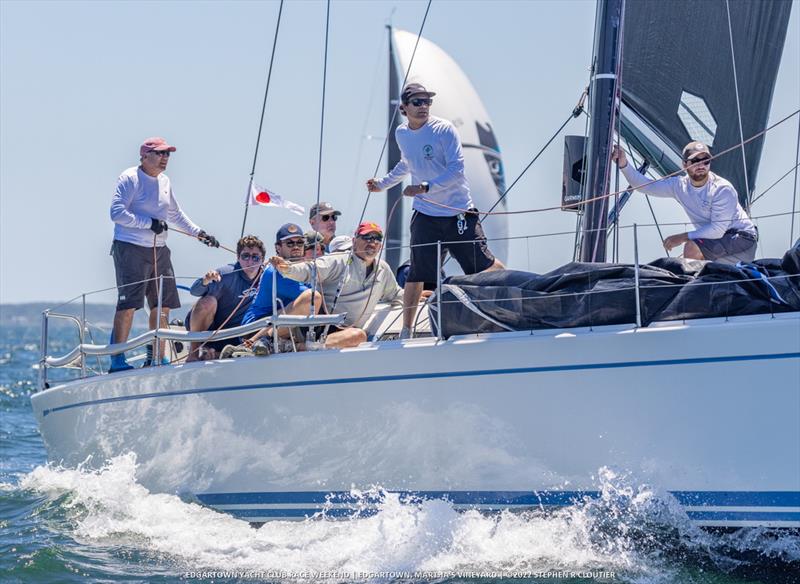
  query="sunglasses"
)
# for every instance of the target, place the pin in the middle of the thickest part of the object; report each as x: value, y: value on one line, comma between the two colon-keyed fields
x: 294, y: 243
x: 329, y: 217
x: 374, y: 238
x: 256, y: 257
x: 418, y: 101
x: 162, y: 153
x: 703, y: 161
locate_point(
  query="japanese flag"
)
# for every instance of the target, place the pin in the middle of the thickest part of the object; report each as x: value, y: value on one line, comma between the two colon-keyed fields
x: 269, y: 198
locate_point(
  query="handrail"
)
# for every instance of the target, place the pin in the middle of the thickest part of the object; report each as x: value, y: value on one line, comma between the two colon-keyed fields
x: 173, y: 335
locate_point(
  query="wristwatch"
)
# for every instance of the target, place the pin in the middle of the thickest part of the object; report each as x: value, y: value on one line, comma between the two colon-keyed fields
x: 425, y: 185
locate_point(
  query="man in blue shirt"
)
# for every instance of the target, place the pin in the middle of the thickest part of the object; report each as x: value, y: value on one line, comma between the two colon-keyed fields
x: 226, y: 294
x: 289, y: 244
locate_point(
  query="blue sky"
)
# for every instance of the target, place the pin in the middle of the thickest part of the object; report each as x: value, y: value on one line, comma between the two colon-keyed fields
x: 82, y: 83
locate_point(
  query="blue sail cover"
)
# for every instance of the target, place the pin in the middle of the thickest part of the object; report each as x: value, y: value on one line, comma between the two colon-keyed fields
x: 678, y: 79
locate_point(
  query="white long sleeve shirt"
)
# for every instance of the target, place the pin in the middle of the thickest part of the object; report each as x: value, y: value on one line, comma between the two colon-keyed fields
x: 358, y: 296
x: 432, y: 153
x: 138, y: 199
x: 713, y: 208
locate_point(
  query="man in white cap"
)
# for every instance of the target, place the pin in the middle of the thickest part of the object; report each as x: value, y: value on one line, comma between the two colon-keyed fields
x: 443, y: 208
x: 142, y: 205
x: 722, y: 230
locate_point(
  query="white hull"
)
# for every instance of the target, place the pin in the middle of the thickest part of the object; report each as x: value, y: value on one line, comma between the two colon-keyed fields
x: 709, y: 410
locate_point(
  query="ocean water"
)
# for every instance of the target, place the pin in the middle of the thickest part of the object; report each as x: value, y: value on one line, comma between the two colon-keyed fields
x: 72, y: 525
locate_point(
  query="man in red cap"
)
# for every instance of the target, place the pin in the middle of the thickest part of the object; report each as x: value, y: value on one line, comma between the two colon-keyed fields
x: 364, y: 282
x: 722, y: 232
x: 142, y: 205
x: 443, y: 208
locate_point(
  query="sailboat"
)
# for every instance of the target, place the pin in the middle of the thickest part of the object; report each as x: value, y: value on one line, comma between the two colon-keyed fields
x: 521, y: 417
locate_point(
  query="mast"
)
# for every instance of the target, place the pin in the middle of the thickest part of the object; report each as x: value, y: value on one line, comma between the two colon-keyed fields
x: 394, y: 224
x: 602, y: 112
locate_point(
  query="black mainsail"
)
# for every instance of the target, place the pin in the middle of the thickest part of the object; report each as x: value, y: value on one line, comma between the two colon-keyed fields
x: 678, y: 81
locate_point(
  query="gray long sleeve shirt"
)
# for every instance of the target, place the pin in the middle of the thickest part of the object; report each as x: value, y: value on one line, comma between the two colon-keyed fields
x: 358, y: 297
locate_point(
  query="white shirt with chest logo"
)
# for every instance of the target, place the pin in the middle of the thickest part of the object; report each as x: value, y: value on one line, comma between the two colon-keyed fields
x: 432, y: 153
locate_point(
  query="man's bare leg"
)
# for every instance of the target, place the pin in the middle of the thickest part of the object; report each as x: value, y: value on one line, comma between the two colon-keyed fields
x: 300, y: 306
x: 692, y: 252
x: 351, y: 337
x: 497, y: 265
x: 203, y: 314
x: 123, y: 320
x: 153, y: 321
x: 411, y: 295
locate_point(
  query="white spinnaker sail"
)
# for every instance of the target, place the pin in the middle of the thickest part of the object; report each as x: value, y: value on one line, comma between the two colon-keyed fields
x: 456, y: 100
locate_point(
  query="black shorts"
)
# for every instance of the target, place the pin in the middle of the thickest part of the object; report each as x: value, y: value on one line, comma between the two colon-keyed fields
x: 734, y: 246
x: 468, y: 248
x: 133, y: 265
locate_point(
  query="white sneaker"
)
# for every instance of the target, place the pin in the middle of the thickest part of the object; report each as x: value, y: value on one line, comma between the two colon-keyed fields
x: 405, y: 333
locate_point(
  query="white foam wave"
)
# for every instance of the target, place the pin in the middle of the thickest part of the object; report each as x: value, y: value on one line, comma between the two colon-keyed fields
x: 109, y: 507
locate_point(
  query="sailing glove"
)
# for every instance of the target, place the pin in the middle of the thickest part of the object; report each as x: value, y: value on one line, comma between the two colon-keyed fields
x: 208, y: 239
x: 158, y: 225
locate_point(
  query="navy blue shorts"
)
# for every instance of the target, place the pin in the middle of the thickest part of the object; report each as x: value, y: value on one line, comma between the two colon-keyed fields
x: 734, y: 246
x: 469, y: 248
x: 137, y: 276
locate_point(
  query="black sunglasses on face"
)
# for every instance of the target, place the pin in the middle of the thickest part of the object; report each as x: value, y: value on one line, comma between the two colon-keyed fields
x: 165, y: 153
x: 329, y: 217
x: 371, y: 238
x: 418, y: 101
x: 294, y: 243
x: 703, y: 161
x: 250, y: 256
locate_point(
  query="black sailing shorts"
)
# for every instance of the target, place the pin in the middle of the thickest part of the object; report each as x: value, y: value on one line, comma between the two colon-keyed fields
x: 133, y: 264
x: 734, y: 246
x: 468, y: 248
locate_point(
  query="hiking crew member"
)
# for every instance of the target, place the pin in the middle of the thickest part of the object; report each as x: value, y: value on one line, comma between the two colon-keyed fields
x: 142, y: 205
x: 364, y: 282
x: 443, y: 209
x: 226, y: 294
x: 722, y: 230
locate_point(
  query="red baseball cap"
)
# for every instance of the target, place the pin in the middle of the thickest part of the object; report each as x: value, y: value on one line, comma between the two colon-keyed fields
x: 155, y: 143
x: 368, y: 227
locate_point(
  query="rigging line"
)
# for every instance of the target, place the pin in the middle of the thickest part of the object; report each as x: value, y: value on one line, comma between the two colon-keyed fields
x: 261, y: 122
x: 380, y: 157
x: 575, y: 113
x: 738, y: 106
x: 600, y: 197
x: 319, y: 157
x: 396, y: 109
x: 787, y: 173
x: 370, y: 103
x: 649, y: 203
x: 794, y: 194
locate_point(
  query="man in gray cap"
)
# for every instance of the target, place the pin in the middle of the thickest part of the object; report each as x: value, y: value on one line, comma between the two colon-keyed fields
x: 443, y: 208
x: 722, y: 230
x: 323, y: 217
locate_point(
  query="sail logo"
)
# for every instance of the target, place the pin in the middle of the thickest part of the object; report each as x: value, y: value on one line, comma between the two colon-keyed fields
x: 427, y: 150
x: 696, y: 117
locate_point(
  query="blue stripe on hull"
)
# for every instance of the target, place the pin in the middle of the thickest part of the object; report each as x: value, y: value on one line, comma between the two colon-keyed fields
x: 441, y: 374
x: 507, y: 498
x: 341, y: 504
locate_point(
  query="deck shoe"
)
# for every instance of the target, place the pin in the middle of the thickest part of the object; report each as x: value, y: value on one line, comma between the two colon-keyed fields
x: 149, y: 361
x: 233, y: 351
x: 405, y: 333
x: 263, y: 347
x: 119, y: 363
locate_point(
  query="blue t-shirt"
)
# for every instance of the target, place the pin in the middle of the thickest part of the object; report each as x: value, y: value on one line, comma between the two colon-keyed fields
x: 288, y: 291
x: 229, y: 292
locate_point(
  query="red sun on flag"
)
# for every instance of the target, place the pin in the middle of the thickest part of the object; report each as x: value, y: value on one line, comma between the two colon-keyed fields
x: 263, y: 197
